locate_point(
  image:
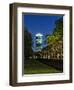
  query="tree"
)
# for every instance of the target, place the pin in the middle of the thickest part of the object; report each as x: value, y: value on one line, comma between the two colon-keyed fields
x: 27, y: 43
x: 59, y: 28
x: 55, y: 40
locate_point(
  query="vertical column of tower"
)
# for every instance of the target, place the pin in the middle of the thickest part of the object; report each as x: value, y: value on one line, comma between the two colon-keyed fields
x: 38, y: 41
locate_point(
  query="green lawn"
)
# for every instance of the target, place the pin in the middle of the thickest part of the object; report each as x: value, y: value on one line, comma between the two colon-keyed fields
x: 36, y: 67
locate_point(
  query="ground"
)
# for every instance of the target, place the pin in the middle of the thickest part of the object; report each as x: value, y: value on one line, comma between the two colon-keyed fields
x: 36, y: 67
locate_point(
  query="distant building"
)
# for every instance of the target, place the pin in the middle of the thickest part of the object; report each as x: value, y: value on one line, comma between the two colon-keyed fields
x: 38, y: 42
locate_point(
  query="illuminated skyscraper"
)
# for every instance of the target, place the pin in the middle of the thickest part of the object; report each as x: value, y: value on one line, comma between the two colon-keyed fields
x: 38, y: 42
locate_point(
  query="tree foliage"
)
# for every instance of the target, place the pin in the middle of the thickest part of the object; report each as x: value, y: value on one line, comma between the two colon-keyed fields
x: 55, y: 40
x: 59, y: 28
x: 27, y: 43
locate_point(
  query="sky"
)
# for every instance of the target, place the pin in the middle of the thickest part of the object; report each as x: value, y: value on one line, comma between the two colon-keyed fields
x: 40, y: 23
x: 43, y: 24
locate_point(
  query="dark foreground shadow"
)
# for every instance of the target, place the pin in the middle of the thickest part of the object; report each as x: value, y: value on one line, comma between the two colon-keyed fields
x: 58, y: 64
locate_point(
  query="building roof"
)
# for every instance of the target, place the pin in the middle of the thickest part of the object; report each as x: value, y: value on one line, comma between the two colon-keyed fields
x: 39, y: 34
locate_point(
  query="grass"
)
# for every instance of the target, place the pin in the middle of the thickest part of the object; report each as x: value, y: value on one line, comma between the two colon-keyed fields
x: 36, y: 67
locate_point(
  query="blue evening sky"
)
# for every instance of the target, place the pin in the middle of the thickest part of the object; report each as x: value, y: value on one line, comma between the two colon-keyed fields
x: 40, y: 23
x: 43, y: 24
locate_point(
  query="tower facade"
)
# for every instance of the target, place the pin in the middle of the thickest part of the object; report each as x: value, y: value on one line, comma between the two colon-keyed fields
x: 38, y: 41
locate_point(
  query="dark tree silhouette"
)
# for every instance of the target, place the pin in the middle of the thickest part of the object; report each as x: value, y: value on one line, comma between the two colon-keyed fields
x: 59, y: 28
x: 27, y: 43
